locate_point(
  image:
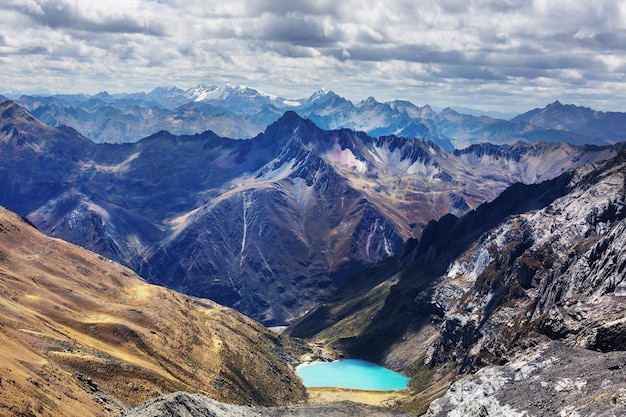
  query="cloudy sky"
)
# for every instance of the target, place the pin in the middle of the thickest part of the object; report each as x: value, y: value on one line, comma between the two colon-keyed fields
x: 508, y: 55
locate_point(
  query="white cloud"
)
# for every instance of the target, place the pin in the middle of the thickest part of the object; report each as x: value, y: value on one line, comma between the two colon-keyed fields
x: 427, y: 51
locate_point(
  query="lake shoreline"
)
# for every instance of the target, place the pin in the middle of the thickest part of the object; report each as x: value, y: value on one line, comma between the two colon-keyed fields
x: 351, y: 374
x: 377, y: 398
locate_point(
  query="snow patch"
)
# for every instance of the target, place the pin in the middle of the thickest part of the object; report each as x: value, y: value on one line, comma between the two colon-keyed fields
x: 247, y: 203
x: 388, y: 249
x: 398, y: 166
x: 346, y: 158
x: 277, y: 174
x: 570, y: 385
x: 302, y: 192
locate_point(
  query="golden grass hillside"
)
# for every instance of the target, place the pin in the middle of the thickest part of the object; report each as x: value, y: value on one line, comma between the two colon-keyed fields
x: 83, y: 336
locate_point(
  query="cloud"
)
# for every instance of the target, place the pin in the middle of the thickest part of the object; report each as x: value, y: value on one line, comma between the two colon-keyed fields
x: 103, y: 17
x: 398, y: 48
x: 296, y: 29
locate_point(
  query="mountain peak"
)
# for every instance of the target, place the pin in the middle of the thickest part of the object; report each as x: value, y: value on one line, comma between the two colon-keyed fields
x: 369, y: 101
x: 290, y: 119
x: 166, y: 90
x: 449, y: 112
x: 10, y: 110
x: 291, y: 126
x: 104, y: 96
x: 320, y: 96
x: 321, y: 92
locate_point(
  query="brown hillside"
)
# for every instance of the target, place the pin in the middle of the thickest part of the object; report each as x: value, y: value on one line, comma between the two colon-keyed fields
x: 81, y: 335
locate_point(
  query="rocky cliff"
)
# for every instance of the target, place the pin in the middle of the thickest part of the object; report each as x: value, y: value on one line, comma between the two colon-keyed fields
x: 558, y: 270
x: 547, y: 379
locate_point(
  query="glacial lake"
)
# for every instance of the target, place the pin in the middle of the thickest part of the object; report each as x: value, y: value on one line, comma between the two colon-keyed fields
x: 351, y: 374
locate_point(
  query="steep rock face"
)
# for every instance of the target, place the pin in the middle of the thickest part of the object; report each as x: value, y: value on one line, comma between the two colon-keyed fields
x: 559, y: 269
x: 235, y: 250
x: 198, y: 212
x: 549, y: 379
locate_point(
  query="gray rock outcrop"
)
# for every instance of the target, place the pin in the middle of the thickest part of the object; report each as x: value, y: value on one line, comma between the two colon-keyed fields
x: 559, y: 270
x: 550, y: 379
x: 182, y: 404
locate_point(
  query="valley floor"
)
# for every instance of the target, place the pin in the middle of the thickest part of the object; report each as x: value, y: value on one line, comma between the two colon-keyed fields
x: 378, y: 398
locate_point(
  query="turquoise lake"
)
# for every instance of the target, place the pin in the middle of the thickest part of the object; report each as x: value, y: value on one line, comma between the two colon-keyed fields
x: 351, y: 374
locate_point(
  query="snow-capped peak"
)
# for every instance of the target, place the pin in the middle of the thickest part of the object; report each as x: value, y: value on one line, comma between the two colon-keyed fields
x: 319, y: 95
x: 214, y: 92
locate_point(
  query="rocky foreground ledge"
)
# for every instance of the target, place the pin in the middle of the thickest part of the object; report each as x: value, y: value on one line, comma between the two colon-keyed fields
x: 182, y: 404
x: 550, y: 379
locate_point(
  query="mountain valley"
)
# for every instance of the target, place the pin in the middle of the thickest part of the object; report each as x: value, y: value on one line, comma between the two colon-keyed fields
x: 485, y: 259
x: 518, y: 288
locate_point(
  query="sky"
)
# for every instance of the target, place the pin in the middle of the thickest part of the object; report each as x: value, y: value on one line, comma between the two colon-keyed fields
x: 501, y: 55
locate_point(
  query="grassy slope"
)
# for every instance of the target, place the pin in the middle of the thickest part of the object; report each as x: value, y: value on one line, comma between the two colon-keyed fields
x: 64, y: 310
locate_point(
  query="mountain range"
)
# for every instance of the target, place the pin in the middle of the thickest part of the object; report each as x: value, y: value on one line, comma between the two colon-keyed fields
x: 492, y: 275
x: 272, y: 225
x: 83, y: 336
x: 243, y: 112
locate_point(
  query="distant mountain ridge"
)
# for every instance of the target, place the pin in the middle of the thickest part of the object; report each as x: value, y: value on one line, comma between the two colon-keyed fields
x: 243, y: 112
x: 609, y: 126
x: 272, y: 225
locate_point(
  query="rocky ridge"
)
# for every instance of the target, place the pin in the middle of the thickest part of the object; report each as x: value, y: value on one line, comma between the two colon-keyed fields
x: 568, y: 117
x: 243, y: 112
x: 560, y: 270
x: 547, y: 379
